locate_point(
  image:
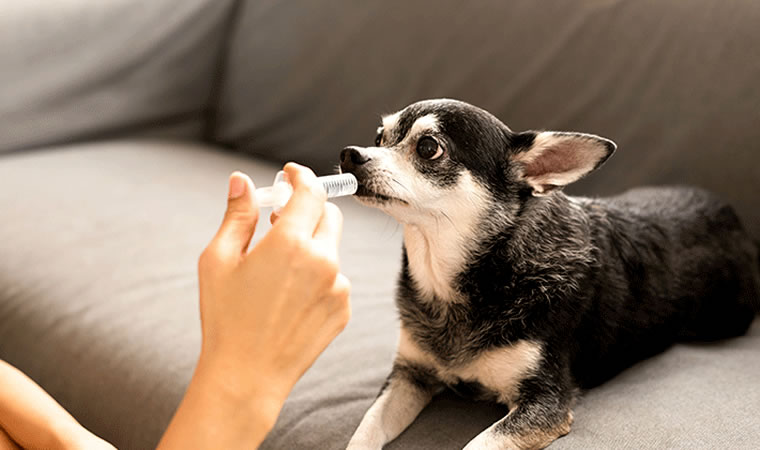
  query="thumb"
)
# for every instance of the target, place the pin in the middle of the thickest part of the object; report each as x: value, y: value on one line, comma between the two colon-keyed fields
x: 240, y: 219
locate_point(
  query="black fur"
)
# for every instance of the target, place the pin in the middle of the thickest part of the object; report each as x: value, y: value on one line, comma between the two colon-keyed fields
x: 610, y: 285
x: 600, y: 283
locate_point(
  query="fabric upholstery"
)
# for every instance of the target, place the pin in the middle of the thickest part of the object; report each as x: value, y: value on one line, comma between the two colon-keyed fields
x: 80, y: 69
x: 98, y: 288
x: 671, y: 82
x: 98, y: 303
x: 99, y: 241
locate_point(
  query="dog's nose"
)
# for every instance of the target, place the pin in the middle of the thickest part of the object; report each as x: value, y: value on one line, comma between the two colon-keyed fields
x: 352, y: 157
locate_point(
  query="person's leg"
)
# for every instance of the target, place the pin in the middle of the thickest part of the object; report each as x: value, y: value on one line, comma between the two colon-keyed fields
x: 33, y: 419
x: 6, y: 443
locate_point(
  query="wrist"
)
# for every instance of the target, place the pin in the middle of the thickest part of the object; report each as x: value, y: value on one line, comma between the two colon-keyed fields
x: 244, y: 391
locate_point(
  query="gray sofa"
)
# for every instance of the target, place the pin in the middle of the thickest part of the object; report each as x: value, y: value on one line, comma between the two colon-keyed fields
x: 120, y: 121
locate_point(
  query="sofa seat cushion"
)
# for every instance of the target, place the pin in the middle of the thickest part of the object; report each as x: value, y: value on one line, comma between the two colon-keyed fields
x: 98, y: 303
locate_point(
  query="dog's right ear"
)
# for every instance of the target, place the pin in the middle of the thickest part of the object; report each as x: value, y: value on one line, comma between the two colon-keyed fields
x: 548, y: 160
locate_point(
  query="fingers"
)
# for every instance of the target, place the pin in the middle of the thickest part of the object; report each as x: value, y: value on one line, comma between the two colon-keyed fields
x: 330, y: 226
x: 240, y: 219
x: 304, y: 209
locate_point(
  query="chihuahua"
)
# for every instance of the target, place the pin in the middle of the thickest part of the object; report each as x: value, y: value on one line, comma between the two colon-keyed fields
x: 513, y: 292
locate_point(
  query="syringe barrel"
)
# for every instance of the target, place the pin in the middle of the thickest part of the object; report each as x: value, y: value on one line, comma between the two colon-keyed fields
x: 339, y: 185
x: 277, y: 195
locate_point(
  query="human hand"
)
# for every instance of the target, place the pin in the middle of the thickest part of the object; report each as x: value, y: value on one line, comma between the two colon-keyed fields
x: 268, y: 313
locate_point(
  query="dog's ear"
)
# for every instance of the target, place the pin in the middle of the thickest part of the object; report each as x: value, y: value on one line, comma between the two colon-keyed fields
x: 548, y: 160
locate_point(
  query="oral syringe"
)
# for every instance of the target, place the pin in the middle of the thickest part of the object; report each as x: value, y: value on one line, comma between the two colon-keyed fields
x: 276, y: 195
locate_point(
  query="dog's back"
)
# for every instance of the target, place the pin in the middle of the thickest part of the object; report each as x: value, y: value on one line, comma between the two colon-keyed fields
x: 672, y: 264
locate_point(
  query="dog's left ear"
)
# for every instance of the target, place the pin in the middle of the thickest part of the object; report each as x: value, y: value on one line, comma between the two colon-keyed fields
x: 548, y: 160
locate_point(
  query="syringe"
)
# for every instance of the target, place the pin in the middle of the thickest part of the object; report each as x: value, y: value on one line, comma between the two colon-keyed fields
x: 279, y: 192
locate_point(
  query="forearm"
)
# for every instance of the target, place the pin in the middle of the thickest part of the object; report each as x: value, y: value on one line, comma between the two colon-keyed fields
x: 223, y: 408
x: 33, y: 419
x: 6, y: 443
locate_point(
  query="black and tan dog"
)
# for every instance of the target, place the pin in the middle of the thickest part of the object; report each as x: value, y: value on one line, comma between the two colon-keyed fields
x: 514, y: 292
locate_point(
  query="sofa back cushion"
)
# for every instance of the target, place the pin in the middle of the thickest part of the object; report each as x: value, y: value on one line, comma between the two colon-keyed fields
x: 80, y: 69
x: 674, y: 83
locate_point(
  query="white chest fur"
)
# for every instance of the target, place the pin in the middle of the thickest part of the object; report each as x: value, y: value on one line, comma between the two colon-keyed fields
x: 439, y: 241
x: 499, y: 370
x: 433, y: 264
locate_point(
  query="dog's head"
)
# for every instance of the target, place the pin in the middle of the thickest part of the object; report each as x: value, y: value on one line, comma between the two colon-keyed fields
x: 446, y: 157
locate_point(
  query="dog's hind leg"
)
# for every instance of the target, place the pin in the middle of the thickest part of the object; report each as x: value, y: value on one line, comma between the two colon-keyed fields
x: 407, y: 391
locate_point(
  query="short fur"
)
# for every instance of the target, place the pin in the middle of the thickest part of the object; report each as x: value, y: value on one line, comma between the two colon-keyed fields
x: 578, y: 288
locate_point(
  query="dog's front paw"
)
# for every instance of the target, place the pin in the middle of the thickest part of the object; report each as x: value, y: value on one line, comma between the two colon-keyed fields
x: 365, y: 441
x: 363, y: 445
x: 490, y: 440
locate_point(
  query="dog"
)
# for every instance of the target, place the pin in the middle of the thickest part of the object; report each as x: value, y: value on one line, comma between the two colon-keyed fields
x: 513, y: 292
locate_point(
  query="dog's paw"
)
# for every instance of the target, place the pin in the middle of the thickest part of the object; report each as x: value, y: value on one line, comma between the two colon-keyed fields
x: 363, y: 445
x: 365, y: 442
x: 489, y: 440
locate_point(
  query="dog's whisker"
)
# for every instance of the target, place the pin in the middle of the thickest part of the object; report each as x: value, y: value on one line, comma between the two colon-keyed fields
x: 400, y: 184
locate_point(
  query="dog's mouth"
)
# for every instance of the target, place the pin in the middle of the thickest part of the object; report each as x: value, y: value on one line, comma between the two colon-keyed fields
x: 365, y: 193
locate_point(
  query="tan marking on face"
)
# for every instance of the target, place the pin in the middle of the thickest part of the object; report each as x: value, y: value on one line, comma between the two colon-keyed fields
x: 427, y: 124
x: 390, y: 122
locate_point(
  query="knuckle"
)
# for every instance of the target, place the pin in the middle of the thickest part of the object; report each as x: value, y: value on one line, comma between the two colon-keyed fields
x: 328, y: 265
x: 343, y: 287
x: 346, y: 291
x: 343, y: 316
x: 341, y: 293
x: 209, y: 259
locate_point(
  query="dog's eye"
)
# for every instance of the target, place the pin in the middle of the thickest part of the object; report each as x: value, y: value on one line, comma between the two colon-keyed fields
x: 428, y: 148
x: 379, y: 139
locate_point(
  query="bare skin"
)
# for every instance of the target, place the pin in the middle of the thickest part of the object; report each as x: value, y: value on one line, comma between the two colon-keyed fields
x: 266, y: 314
x: 30, y: 418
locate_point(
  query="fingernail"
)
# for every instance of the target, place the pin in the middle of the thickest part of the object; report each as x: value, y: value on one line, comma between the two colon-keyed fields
x: 237, y: 186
